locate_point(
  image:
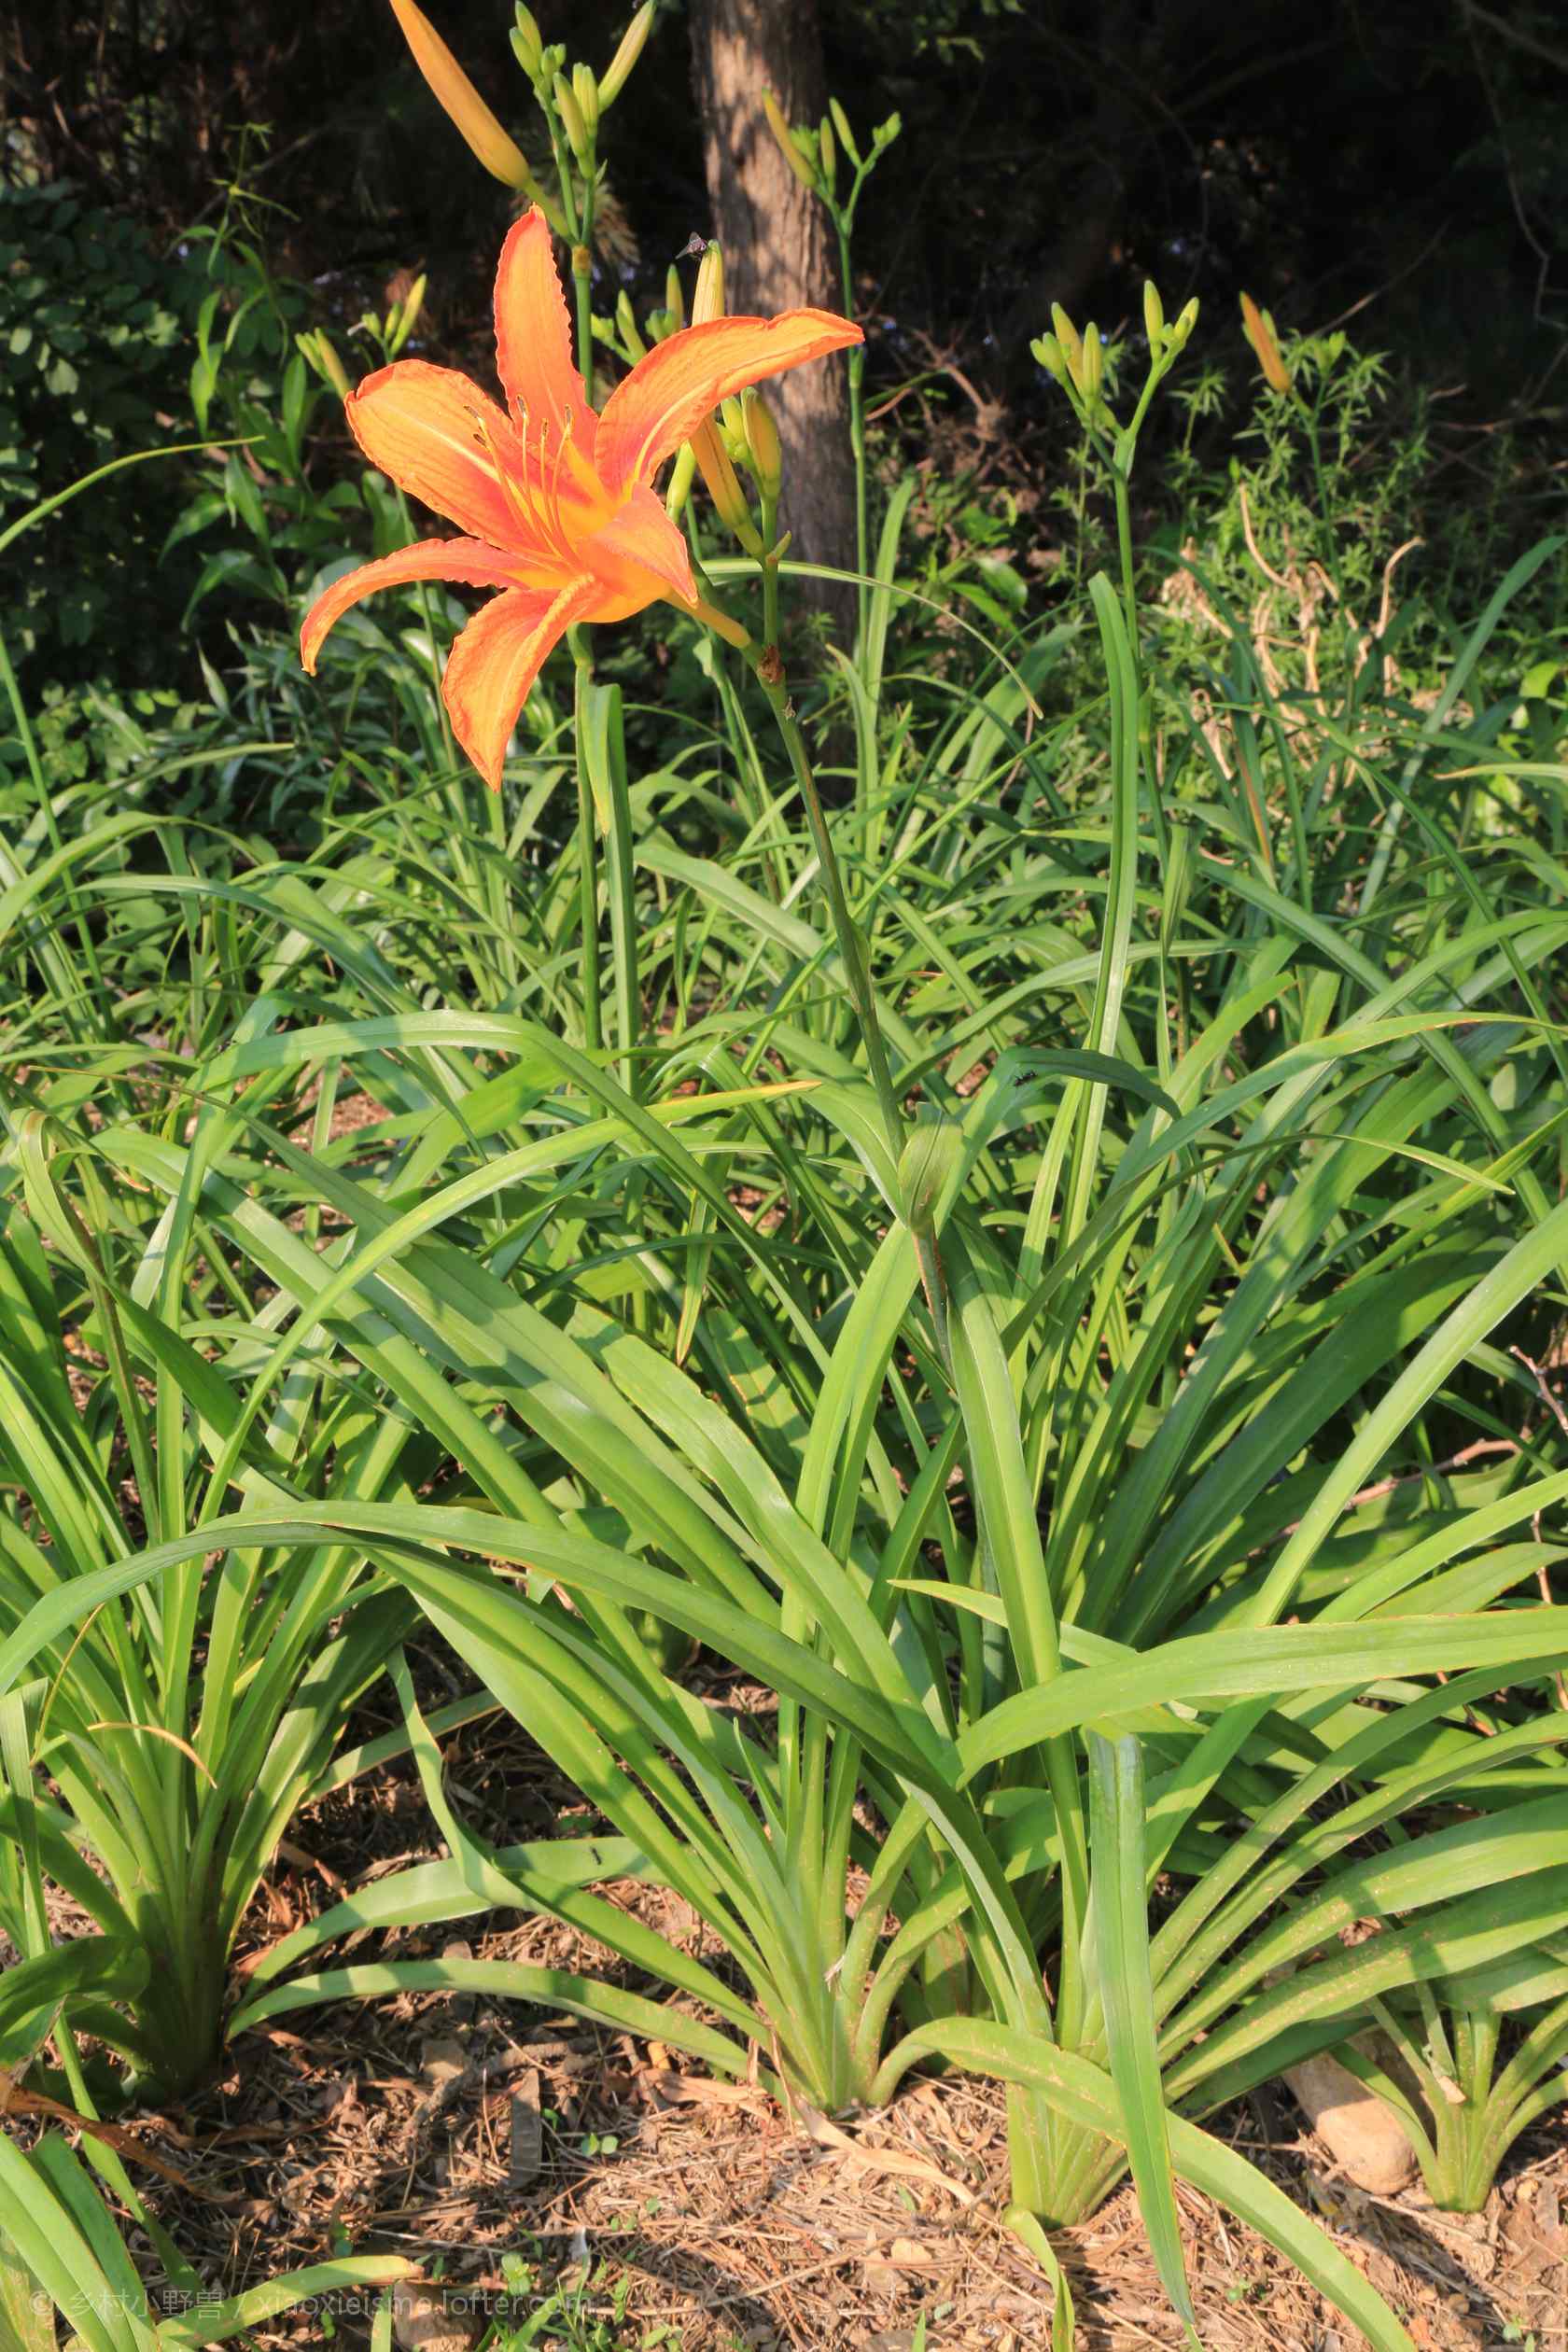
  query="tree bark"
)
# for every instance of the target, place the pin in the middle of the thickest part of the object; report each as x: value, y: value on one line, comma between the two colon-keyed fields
x: 780, y: 251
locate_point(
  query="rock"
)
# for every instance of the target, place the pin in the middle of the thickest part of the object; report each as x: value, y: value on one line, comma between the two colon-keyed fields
x: 526, y: 2155
x: 443, y: 2061
x: 1365, y: 2137
x: 884, y: 2272
x: 422, y: 2323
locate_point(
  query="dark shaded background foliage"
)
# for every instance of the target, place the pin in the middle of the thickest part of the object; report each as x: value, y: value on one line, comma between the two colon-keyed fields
x: 1399, y: 166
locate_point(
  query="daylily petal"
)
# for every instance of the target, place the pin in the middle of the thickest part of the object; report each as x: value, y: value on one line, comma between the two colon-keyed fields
x: 425, y: 426
x: 466, y: 561
x: 641, y: 555
x: 684, y: 379
x: 495, y: 661
x: 534, y: 336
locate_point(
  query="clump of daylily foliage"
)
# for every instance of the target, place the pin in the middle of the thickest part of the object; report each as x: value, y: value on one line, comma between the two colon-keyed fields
x: 993, y: 1253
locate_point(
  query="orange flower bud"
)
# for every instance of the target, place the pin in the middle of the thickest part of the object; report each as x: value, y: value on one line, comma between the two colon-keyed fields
x: 500, y: 155
x: 1258, y: 328
x: 786, y: 139
x: 723, y: 487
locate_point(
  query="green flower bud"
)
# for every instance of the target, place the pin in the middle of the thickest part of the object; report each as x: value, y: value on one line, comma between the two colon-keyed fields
x: 682, y: 475
x: 585, y: 89
x: 805, y: 146
x: 626, y: 56
x: 1183, y: 327
x: 527, y: 41
x: 845, y: 136
x: 571, y: 120
x: 675, y: 298
x: 762, y: 444
x: 318, y: 348
x: 1070, y: 341
x: 1154, y: 317
x: 729, y: 499
x: 1092, y: 366
x: 402, y: 319
x: 1049, y: 353
x: 707, y: 297
x: 825, y: 149
x: 732, y: 436
x: 625, y: 319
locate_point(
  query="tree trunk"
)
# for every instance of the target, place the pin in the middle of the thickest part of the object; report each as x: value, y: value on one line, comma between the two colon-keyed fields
x: 780, y: 251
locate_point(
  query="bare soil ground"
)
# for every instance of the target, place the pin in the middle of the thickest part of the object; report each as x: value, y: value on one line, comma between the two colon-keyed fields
x: 463, y: 2131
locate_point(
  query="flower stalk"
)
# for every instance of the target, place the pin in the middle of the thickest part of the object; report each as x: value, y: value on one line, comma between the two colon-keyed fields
x: 812, y: 157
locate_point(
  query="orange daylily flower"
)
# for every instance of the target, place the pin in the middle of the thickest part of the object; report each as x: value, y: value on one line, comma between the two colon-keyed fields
x: 556, y: 503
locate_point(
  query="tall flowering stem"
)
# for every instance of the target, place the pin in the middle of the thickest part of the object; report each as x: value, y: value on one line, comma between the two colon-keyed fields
x: 851, y: 946
x: 813, y: 156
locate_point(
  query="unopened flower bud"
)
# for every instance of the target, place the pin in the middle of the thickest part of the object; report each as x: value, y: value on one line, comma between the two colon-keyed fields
x: 585, y: 89
x: 1070, y: 342
x: 1091, y: 368
x: 845, y: 136
x: 625, y: 319
x: 501, y: 157
x: 682, y: 474
x: 1049, y: 353
x: 762, y: 444
x: 723, y: 488
x: 614, y: 79
x: 1183, y: 327
x: 401, y: 318
x: 886, y: 133
x: 571, y: 120
x: 786, y: 139
x: 1258, y: 328
x: 527, y: 41
x: 708, y: 296
x: 319, y: 349
x: 825, y: 149
x: 1154, y: 317
x: 675, y: 298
